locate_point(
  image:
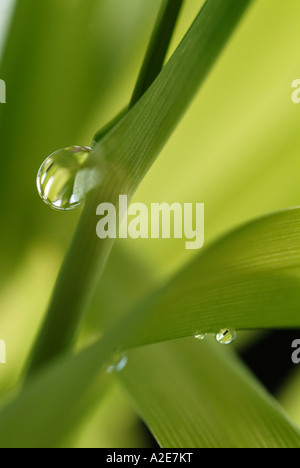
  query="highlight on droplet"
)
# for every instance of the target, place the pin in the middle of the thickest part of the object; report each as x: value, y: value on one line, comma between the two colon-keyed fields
x: 226, y: 336
x: 117, y: 362
x: 200, y: 336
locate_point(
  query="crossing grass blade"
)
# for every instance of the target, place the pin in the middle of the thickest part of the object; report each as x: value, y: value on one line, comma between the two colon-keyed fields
x: 124, y: 156
x: 247, y: 280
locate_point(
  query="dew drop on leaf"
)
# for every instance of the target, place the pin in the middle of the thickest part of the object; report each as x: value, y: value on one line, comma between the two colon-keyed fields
x: 226, y: 336
x: 200, y: 336
x: 65, y: 178
x: 117, y: 362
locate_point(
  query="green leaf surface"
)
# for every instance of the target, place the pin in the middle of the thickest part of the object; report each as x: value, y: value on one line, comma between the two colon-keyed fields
x: 133, y: 145
x: 195, y: 395
x: 158, y: 47
x: 250, y: 279
x: 269, y: 244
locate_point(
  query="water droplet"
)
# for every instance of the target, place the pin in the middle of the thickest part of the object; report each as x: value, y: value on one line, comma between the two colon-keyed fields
x: 117, y: 362
x: 65, y: 178
x: 226, y: 336
x: 200, y: 336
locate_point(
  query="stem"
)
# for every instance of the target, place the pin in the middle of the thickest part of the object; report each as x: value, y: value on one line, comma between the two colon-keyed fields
x: 87, y: 255
x: 81, y: 268
x: 154, y: 58
x: 108, y: 127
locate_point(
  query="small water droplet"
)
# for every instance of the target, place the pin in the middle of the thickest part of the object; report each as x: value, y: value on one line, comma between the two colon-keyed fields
x: 117, y: 362
x: 200, y: 336
x: 226, y: 336
x: 65, y: 178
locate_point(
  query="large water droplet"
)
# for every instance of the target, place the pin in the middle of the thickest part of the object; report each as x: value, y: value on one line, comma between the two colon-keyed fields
x: 226, y: 336
x: 65, y: 178
x: 117, y: 362
x: 200, y: 336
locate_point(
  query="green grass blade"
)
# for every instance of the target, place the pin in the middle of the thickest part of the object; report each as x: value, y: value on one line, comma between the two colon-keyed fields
x: 248, y: 280
x: 190, y: 394
x: 153, y: 61
x: 195, y: 395
x: 130, y: 149
x: 158, y: 47
x: 108, y: 127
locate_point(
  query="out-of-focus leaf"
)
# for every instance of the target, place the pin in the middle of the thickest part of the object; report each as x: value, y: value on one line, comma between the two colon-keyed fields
x: 248, y: 280
x: 111, y: 424
x: 289, y: 394
x: 190, y: 395
x: 48, y: 409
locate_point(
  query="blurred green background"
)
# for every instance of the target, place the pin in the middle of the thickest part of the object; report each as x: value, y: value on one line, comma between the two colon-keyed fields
x: 70, y: 66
